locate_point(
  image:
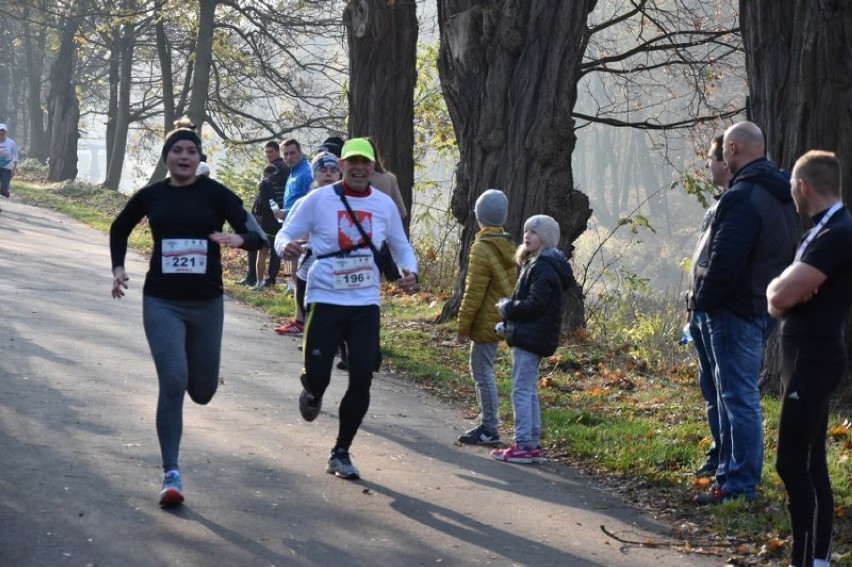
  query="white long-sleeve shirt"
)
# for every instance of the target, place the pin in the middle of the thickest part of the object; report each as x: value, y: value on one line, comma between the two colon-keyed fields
x: 323, y: 215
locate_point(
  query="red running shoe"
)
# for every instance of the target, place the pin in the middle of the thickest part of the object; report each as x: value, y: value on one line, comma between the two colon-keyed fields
x: 293, y: 329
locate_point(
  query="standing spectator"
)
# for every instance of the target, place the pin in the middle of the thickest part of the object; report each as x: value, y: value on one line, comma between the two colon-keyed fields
x: 182, y: 305
x: 203, y: 168
x: 491, y: 275
x: 8, y: 161
x: 812, y: 298
x: 720, y: 176
x: 386, y: 182
x: 753, y: 238
x: 267, y: 208
x: 343, y: 288
x: 272, y: 151
x: 300, y: 178
x: 532, y: 322
x: 332, y: 145
x: 326, y: 171
x: 298, y: 185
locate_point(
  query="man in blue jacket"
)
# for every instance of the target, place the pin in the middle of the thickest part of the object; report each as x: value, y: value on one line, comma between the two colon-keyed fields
x: 753, y: 239
x: 298, y: 184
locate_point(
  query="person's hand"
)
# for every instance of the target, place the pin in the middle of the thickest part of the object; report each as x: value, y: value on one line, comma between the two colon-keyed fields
x: 461, y: 339
x: 119, y: 282
x: 292, y: 250
x: 408, y: 281
x: 280, y: 214
x: 227, y: 238
x: 809, y: 296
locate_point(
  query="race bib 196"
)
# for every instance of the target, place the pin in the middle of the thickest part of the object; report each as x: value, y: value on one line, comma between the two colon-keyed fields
x: 184, y: 256
x: 352, y: 273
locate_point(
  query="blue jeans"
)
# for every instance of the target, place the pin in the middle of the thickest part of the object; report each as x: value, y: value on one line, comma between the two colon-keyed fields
x: 482, y: 369
x: 737, y: 346
x: 706, y: 381
x: 525, y: 398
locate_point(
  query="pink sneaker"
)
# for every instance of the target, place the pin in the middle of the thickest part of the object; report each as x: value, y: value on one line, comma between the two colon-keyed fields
x: 513, y: 454
x: 537, y: 455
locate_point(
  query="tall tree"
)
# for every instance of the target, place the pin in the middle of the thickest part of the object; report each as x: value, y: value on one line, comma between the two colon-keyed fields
x: 122, y: 44
x: 35, y: 41
x: 63, y: 105
x: 382, y: 36
x: 510, y: 71
x: 799, y: 66
x: 806, y: 47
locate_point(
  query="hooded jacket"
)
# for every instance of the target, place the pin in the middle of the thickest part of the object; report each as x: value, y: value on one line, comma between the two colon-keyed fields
x: 534, y: 314
x: 753, y: 239
x: 491, y: 275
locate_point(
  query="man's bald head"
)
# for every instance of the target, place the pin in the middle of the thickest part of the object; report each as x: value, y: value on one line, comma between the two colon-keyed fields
x: 743, y: 143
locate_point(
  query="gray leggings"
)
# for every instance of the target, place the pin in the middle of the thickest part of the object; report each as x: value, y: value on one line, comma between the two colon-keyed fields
x: 185, y: 338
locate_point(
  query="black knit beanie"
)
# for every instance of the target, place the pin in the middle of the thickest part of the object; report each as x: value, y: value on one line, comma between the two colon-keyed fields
x: 180, y: 134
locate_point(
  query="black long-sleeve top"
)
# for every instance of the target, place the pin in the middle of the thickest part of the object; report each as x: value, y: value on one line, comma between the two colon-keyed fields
x: 182, y: 218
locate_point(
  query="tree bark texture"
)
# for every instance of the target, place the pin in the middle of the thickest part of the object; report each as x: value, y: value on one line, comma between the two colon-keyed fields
x: 799, y: 66
x: 197, y: 110
x: 34, y: 52
x: 120, y: 118
x: 64, y: 108
x: 509, y: 71
x: 382, y: 37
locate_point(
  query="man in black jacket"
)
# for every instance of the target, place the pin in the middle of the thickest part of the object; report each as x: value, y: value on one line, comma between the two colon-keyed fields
x: 272, y: 151
x: 753, y: 240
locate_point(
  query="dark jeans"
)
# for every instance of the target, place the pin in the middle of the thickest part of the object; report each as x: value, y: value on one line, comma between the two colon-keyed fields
x: 274, y: 260
x: 251, y: 276
x: 325, y: 326
x: 810, y: 371
x: 5, y: 181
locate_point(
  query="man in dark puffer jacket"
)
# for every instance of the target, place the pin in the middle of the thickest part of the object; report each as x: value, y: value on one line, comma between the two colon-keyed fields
x: 753, y: 239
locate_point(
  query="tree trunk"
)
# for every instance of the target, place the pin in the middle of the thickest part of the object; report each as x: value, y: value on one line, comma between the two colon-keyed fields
x: 382, y: 38
x: 120, y: 118
x: 64, y: 108
x: 799, y: 66
x: 197, y: 110
x: 509, y: 72
x: 164, y: 55
x: 34, y: 54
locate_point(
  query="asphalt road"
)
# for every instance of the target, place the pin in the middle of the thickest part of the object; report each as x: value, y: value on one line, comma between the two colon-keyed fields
x: 80, y: 460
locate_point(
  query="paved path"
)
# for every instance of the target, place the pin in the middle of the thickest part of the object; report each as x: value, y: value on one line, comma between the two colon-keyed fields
x: 80, y: 459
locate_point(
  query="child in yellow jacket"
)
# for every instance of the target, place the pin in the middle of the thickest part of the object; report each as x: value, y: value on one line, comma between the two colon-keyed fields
x: 491, y: 275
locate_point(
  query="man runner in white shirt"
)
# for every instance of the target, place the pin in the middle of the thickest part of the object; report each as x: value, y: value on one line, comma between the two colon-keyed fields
x: 343, y: 287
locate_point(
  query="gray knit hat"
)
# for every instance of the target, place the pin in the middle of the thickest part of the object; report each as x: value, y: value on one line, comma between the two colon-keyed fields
x: 491, y: 208
x: 546, y: 228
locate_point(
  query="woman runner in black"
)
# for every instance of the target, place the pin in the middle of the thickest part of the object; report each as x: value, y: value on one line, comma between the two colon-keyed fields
x: 182, y: 306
